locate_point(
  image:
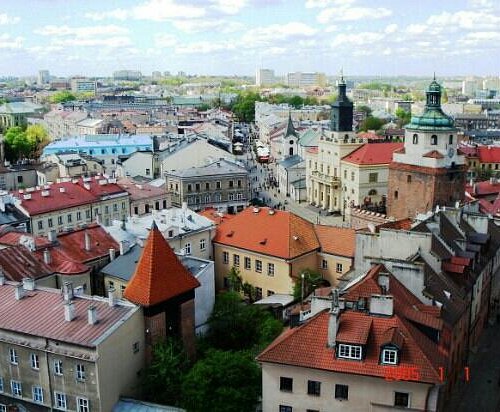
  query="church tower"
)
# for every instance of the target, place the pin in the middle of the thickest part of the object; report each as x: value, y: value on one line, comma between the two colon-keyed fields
x: 342, y: 110
x: 428, y: 171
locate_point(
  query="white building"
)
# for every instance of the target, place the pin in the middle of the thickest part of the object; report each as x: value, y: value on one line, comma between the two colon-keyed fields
x: 264, y: 77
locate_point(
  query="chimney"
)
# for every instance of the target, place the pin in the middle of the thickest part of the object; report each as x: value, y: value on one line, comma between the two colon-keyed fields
x: 19, y: 291
x: 92, y: 315
x: 69, y: 311
x: 123, y: 247
x: 52, y: 235
x: 28, y: 284
x: 111, y: 297
x: 68, y: 291
x: 381, y: 305
x: 112, y: 254
x: 87, y: 241
x: 383, y: 282
x: 46, y: 256
x: 333, y: 325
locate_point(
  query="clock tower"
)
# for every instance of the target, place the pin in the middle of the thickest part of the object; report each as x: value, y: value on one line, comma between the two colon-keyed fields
x: 428, y: 171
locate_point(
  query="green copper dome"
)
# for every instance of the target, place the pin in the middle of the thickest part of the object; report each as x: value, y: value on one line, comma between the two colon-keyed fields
x: 433, y: 117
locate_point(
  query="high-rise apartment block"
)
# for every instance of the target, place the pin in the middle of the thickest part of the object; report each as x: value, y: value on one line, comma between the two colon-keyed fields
x: 265, y: 77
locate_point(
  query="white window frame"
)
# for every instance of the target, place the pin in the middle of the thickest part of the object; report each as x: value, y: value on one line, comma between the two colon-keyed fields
x: 390, y: 356
x: 225, y: 258
x: 324, y: 264
x: 349, y: 351
x: 270, y: 269
x: 187, y: 248
x: 58, y: 367
x: 80, y: 371
x: 37, y: 392
x: 203, y: 244
x: 82, y: 404
x: 60, y: 400
x: 16, y: 388
x: 258, y: 266
x: 339, y: 268
x: 236, y: 261
x: 249, y: 261
x: 13, y: 356
x: 35, y: 361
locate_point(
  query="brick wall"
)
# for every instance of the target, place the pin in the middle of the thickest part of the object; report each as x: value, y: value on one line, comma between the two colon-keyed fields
x: 415, y: 189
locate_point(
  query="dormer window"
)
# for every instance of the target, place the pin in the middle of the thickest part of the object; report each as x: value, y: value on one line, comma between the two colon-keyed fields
x: 390, y: 356
x: 349, y: 351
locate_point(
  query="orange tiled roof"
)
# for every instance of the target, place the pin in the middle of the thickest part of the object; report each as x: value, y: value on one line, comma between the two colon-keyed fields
x: 305, y: 346
x: 373, y: 153
x: 434, y: 154
x: 336, y: 240
x: 216, y: 217
x: 159, y: 275
x: 281, y: 234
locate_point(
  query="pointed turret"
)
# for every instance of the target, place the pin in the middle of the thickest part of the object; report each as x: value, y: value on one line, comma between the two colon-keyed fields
x: 159, y: 275
x: 290, y: 130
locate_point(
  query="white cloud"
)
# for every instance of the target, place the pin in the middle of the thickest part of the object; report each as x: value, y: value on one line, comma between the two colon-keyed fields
x: 391, y: 28
x: 357, y: 39
x: 6, y: 19
x: 9, y: 42
x: 311, y: 4
x: 153, y: 10
x: 81, y: 32
x: 277, y: 32
x: 228, y: 6
x: 205, y: 47
x: 165, y: 40
x: 352, y: 14
x: 467, y: 20
x: 202, y: 25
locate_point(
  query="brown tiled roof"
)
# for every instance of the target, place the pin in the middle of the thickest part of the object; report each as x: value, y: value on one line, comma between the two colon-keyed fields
x: 139, y: 191
x: 355, y: 333
x: 281, y: 234
x: 336, y: 240
x: 159, y: 274
x: 17, y: 262
x: 434, y: 154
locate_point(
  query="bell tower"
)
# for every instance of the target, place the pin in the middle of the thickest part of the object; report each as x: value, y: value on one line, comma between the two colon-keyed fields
x: 428, y: 171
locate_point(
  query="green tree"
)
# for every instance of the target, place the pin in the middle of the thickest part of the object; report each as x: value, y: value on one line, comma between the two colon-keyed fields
x: 38, y: 138
x: 162, y: 379
x: 403, y: 116
x: 222, y: 382
x: 365, y: 109
x: 244, y: 106
x: 235, y: 325
x: 62, y: 96
x: 17, y: 145
x: 371, y: 123
x: 312, y: 280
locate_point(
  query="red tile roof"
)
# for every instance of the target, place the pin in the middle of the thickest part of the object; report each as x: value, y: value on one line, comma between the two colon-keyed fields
x: 140, y: 191
x: 12, y: 237
x: 159, y: 275
x: 281, y: 234
x: 488, y: 154
x: 486, y: 188
x: 373, y: 153
x: 336, y: 240
x: 215, y: 216
x: 99, y: 186
x: 73, y: 196
x: 354, y: 333
x: 305, y: 346
x: 41, y: 313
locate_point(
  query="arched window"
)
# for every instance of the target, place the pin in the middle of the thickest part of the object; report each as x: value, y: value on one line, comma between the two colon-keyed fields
x: 434, y: 140
x: 372, y: 192
x: 415, y: 139
x: 290, y: 151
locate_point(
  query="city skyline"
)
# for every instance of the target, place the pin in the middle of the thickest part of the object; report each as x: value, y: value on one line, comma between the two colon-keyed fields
x: 236, y: 37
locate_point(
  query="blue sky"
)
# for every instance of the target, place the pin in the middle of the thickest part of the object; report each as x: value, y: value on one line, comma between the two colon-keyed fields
x: 384, y: 37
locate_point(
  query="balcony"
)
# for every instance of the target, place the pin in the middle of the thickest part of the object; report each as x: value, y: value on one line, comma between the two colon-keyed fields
x: 324, y: 178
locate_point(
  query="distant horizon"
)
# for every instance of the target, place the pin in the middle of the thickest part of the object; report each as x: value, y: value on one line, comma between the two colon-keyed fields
x: 388, y: 38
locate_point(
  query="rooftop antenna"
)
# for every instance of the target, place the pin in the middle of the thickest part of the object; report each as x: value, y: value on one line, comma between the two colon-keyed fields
x: 341, y: 73
x: 434, y: 75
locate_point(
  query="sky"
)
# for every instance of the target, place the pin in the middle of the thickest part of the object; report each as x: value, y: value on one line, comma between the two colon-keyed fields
x: 236, y: 37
